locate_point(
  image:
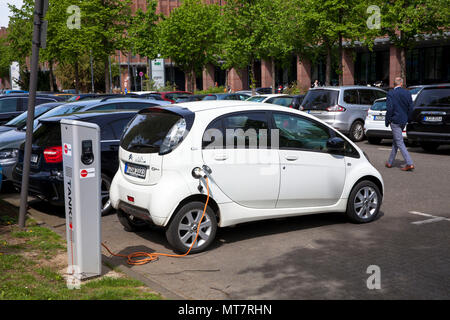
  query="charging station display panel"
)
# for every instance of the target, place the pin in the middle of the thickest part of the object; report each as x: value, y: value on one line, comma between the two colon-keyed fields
x: 82, y: 190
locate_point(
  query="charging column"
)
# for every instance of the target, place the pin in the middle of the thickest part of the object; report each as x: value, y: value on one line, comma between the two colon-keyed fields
x: 82, y: 190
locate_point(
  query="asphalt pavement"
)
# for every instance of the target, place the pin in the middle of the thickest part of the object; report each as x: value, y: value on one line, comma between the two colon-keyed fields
x: 402, y: 255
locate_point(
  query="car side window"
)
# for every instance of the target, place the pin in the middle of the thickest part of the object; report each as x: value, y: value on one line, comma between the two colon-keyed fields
x: 351, y: 96
x: 213, y: 137
x: 118, y: 126
x: 296, y: 132
x: 135, y: 105
x: 43, y: 100
x: 109, y: 106
x: 246, y: 130
x: 380, y: 94
x: 366, y: 97
x: 8, y: 105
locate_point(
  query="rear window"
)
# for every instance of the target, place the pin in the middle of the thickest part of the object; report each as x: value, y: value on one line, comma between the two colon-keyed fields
x: 48, y: 134
x: 281, y: 101
x: 320, y: 99
x: 146, y: 132
x: 379, y: 106
x: 210, y: 98
x: 257, y: 98
x: 436, y: 97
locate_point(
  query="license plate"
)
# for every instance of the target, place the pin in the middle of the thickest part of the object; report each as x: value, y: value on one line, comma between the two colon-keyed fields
x: 378, y: 118
x: 34, y: 158
x: 432, y: 119
x: 135, y: 171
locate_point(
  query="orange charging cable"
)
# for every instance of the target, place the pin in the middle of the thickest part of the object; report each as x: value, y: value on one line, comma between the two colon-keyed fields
x: 149, y: 257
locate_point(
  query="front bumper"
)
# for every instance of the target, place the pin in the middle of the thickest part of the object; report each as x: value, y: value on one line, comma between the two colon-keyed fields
x: 418, y: 136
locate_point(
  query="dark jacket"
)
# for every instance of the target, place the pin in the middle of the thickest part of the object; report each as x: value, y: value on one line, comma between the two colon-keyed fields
x: 399, y: 106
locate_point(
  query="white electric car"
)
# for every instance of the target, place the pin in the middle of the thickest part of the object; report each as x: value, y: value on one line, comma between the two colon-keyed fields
x: 262, y: 162
x: 374, y: 127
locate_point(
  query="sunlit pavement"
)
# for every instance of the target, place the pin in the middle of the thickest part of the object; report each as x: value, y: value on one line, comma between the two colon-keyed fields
x: 311, y: 257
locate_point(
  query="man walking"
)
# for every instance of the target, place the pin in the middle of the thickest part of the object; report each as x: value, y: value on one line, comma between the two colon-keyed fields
x: 399, y: 108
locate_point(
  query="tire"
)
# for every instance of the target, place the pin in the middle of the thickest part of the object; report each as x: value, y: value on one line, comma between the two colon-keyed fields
x: 130, y: 223
x: 106, y: 207
x: 374, y: 140
x: 356, y: 133
x: 364, y: 202
x: 429, y: 146
x: 183, y: 227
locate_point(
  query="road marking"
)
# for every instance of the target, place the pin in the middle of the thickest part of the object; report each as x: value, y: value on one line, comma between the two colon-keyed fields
x: 384, y: 149
x: 433, y: 218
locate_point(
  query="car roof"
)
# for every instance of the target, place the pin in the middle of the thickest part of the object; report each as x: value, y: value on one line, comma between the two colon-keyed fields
x: 89, y: 115
x: 346, y: 87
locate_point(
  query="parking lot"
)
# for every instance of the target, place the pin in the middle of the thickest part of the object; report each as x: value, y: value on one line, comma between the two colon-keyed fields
x: 310, y: 257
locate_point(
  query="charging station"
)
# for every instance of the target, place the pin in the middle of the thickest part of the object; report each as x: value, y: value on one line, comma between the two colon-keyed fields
x: 82, y: 190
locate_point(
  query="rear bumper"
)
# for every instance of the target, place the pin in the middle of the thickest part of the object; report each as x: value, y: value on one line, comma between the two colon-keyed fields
x: 418, y: 136
x: 42, y: 185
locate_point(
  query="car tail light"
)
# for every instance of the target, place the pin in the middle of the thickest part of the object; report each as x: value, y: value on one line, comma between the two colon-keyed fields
x: 130, y: 198
x: 77, y: 98
x: 290, y: 106
x: 336, y: 108
x: 53, y: 154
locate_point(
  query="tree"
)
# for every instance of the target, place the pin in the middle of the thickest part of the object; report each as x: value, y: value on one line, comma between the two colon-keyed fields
x: 406, y: 21
x: 142, y: 32
x: 189, y: 36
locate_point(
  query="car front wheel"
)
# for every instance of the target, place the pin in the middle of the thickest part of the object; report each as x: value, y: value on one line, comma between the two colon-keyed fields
x: 182, y: 229
x: 357, y: 131
x: 364, y: 202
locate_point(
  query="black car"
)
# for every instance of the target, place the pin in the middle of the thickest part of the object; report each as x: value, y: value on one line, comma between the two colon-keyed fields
x: 297, y: 101
x: 430, y: 120
x: 46, y: 171
x: 12, y: 105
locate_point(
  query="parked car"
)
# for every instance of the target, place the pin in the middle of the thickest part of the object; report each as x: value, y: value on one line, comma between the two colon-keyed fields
x: 20, y: 120
x: 258, y: 91
x: 430, y: 121
x: 311, y: 168
x: 298, y: 99
x: 151, y: 96
x: 85, y: 96
x: 344, y: 108
x: 265, y: 97
x: 226, y: 96
x: 11, y: 140
x: 12, y: 105
x: 14, y: 91
x: 172, y: 95
x: 46, y: 179
x: 285, y: 101
x: 374, y: 127
x: 190, y: 98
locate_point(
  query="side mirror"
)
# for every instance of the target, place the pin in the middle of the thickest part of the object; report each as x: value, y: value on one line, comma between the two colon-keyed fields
x: 336, y: 144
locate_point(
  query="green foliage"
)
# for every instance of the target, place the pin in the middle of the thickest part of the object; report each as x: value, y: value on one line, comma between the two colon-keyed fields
x: 219, y: 89
x: 189, y: 36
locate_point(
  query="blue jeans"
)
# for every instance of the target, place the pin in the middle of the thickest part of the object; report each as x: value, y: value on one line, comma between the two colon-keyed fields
x: 398, y: 143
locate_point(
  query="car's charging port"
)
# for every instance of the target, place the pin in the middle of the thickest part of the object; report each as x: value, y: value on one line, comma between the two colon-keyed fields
x: 199, y: 173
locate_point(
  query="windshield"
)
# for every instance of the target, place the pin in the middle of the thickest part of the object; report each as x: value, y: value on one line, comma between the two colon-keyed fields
x: 256, y: 98
x: 21, y: 120
x: 379, y: 106
x: 320, y: 99
x: 414, y: 90
x: 439, y: 97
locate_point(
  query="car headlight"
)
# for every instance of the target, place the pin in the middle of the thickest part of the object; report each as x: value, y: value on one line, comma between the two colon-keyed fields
x: 8, y: 156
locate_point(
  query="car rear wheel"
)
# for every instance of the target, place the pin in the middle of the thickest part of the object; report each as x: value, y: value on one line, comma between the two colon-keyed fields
x: 357, y: 131
x: 364, y: 202
x: 182, y: 229
x: 106, y: 202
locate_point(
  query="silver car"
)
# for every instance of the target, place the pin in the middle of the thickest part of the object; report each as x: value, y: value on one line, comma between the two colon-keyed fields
x: 344, y: 107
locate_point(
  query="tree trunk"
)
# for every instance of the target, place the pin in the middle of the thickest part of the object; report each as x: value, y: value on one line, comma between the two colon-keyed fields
x: 107, y: 84
x: 51, y: 76
x: 272, y: 70
x: 328, y: 65
x: 403, y: 65
x: 252, y: 77
x: 77, y: 77
x: 341, y: 70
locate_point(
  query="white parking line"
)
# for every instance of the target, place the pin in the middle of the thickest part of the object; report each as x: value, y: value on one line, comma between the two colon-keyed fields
x: 432, y: 218
x: 385, y: 149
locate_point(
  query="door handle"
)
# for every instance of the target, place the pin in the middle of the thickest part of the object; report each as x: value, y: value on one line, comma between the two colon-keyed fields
x: 291, y: 158
x: 220, y: 157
